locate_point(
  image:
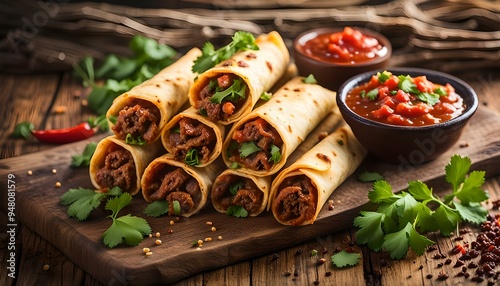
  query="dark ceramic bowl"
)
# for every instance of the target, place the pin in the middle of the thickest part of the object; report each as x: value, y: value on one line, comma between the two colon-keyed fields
x: 409, y: 145
x: 332, y: 75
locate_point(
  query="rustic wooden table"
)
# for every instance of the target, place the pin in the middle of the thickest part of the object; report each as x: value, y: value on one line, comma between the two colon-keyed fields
x: 54, y: 100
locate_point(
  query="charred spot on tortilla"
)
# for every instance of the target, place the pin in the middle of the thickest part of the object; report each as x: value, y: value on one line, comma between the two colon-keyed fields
x: 251, y: 56
x: 290, y: 128
x: 243, y: 64
x: 340, y: 142
x: 322, y: 135
x: 324, y: 157
x: 227, y: 63
x: 269, y: 66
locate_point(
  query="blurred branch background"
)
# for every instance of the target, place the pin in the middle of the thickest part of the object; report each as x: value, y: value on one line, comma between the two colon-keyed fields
x: 50, y: 35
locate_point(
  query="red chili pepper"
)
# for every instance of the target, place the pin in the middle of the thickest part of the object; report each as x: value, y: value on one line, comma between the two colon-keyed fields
x: 65, y: 135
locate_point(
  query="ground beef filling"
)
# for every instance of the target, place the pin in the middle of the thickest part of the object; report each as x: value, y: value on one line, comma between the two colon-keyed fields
x: 118, y: 171
x: 217, y: 111
x: 248, y: 195
x: 296, y: 200
x: 263, y: 135
x: 140, y: 121
x: 176, y: 185
x: 192, y: 135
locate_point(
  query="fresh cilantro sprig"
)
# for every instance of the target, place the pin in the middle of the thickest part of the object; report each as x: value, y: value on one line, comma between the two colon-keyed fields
x: 129, y: 229
x: 82, y: 201
x: 401, y: 220
x: 366, y: 176
x: 192, y: 157
x: 233, y: 93
x: 275, y: 154
x: 248, y: 148
x: 241, y: 41
x: 129, y: 139
x: 310, y: 79
x: 237, y: 211
x: 23, y: 130
x: 344, y: 258
x: 120, y: 74
x: 156, y: 208
x: 83, y: 160
x: 406, y: 84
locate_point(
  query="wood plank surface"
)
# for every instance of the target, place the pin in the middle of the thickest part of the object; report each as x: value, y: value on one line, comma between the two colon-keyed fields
x: 37, y: 200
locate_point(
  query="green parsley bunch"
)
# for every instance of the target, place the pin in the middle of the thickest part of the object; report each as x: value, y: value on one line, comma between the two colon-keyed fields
x: 401, y: 220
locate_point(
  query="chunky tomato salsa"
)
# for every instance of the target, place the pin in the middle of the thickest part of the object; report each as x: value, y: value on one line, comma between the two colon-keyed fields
x: 346, y: 47
x: 405, y: 100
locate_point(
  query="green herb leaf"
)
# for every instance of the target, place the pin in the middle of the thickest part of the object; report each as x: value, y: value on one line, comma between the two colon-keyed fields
x: 156, y: 208
x: 100, y: 122
x: 456, y: 170
x: 366, y: 177
x: 440, y: 91
x: 234, y: 187
x: 310, y: 79
x: 447, y: 219
x: 83, y: 160
x: 344, y: 258
x: 210, y: 57
x: 129, y: 139
x: 233, y: 93
x: 237, y: 211
x: 192, y: 157
x: 128, y: 229
x: 177, y: 207
x: 371, y: 95
x: 382, y: 192
x: 248, y: 148
x: 23, y: 130
x: 234, y: 165
x: 82, y: 201
x: 370, y: 232
x: 383, y: 76
x: 266, y: 96
x: 275, y: 154
x: 429, y: 98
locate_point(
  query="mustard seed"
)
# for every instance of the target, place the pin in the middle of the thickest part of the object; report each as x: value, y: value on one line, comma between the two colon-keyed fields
x: 30, y: 172
x: 146, y: 250
x: 46, y: 267
x: 209, y: 223
x: 158, y: 242
x: 149, y: 253
x: 172, y: 222
x: 58, y: 184
x: 208, y: 239
x: 213, y: 229
x: 157, y: 234
x: 219, y: 237
x: 54, y: 171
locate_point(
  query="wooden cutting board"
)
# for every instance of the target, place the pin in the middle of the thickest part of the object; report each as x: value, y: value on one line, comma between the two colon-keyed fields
x: 38, y: 208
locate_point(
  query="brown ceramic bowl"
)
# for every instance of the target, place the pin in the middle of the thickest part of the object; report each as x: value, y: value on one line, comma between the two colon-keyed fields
x: 332, y: 75
x: 408, y: 145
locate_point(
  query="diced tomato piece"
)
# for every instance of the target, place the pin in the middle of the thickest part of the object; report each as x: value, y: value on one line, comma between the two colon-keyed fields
x: 392, y: 82
x: 383, y: 92
x: 389, y: 101
x: 374, y: 81
x: 402, y: 96
x: 398, y: 120
x: 408, y: 110
x: 382, y: 112
x: 224, y: 81
x: 423, y: 85
x: 343, y: 53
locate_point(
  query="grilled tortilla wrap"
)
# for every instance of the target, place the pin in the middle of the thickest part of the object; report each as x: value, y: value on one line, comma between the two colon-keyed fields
x: 144, y: 111
x: 261, y: 142
x: 168, y: 179
x: 249, y: 72
x: 299, y: 191
x: 193, y: 138
x: 233, y: 188
x: 116, y: 163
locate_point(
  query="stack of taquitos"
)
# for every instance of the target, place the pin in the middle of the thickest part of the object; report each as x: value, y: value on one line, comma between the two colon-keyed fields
x: 280, y: 124
x: 141, y: 113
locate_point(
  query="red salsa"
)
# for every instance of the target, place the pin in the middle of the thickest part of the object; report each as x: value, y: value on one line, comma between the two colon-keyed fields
x: 405, y: 100
x: 346, y: 47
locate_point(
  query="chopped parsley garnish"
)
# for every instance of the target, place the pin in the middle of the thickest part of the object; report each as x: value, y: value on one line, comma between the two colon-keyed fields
x: 266, y: 96
x: 366, y: 176
x: 129, y: 139
x: 156, y: 208
x: 248, y: 148
x: 407, y: 85
x: 402, y: 219
x: 83, y: 160
x: 383, y: 76
x: 234, y: 187
x: 237, y: 211
x: 275, y: 154
x: 23, y: 130
x: 371, y: 95
x: 233, y: 93
x: 241, y: 41
x: 310, y: 79
x: 192, y: 157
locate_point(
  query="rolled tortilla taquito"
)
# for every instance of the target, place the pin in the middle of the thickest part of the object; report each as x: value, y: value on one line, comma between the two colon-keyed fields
x: 118, y: 164
x: 299, y: 191
x: 142, y: 113
x: 261, y: 142
x: 193, y: 139
x: 233, y: 188
x: 230, y: 90
x: 168, y: 179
